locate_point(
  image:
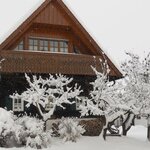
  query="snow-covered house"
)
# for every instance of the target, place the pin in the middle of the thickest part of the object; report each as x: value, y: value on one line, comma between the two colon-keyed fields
x: 42, y: 37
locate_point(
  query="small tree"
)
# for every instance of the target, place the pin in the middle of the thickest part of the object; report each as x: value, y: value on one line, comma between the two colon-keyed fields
x: 104, y: 99
x: 53, y: 91
x: 136, y: 92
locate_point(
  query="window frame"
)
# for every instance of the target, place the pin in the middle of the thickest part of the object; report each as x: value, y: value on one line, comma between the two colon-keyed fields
x: 58, y: 47
x: 49, y: 106
x: 64, y: 46
x: 43, y: 45
x: 78, y: 103
x: 20, y: 44
x: 34, y: 44
x: 18, y: 109
x: 54, y: 46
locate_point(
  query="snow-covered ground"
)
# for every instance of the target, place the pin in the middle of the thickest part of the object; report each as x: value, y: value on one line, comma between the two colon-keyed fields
x: 136, y: 140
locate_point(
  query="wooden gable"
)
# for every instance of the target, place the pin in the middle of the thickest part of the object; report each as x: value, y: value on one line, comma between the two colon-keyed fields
x: 53, y: 14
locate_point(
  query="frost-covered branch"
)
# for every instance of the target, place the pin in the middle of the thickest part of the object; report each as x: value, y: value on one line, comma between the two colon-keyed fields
x: 104, y: 99
x: 136, y: 93
x: 53, y: 91
x: 137, y: 84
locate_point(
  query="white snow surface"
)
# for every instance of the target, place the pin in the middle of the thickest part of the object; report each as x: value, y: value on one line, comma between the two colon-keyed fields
x: 5, y: 116
x: 136, y: 140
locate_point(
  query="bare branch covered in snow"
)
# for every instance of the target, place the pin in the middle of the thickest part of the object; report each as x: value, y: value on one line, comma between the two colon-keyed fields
x: 53, y: 91
x: 104, y: 99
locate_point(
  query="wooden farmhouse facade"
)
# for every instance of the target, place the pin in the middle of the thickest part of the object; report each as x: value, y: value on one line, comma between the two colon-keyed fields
x: 51, y: 40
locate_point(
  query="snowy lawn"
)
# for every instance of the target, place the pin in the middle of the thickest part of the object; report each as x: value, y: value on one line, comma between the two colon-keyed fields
x: 136, y: 140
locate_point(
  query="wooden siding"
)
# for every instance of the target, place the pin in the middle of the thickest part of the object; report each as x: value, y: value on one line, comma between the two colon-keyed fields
x: 53, y: 20
x: 51, y: 15
x: 37, y: 62
x: 53, y: 32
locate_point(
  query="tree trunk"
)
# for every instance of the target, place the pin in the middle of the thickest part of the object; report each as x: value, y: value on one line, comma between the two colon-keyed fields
x: 111, y: 130
x: 124, y: 131
x: 104, y: 133
x: 127, y: 123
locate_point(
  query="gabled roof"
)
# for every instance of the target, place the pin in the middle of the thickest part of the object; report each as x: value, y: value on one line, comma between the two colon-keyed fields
x: 27, y: 19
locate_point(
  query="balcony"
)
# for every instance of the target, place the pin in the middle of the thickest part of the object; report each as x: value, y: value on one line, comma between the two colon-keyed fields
x: 41, y: 62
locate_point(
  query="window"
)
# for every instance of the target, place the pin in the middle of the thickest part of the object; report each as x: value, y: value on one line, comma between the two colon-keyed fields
x: 52, y: 45
x: 33, y: 44
x: 49, y: 105
x: 20, y: 46
x: 63, y: 46
x: 79, y: 102
x: 43, y: 45
x: 18, y: 105
x: 76, y: 50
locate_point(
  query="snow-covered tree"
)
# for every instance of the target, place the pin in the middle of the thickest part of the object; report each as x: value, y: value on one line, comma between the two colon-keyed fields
x: 50, y: 92
x: 136, y: 93
x: 104, y: 99
x: 123, y: 100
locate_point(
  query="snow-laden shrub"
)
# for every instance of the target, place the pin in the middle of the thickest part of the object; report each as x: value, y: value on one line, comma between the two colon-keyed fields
x: 70, y: 130
x: 23, y: 131
x: 31, y: 125
x: 8, y: 129
x: 32, y: 133
x: 39, y: 141
x: 6, y: 122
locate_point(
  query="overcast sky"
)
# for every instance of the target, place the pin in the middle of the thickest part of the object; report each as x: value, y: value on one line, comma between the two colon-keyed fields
x: 117, y: 25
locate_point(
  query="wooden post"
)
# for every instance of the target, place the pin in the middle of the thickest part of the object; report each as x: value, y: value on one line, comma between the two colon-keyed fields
x: 148, y: 128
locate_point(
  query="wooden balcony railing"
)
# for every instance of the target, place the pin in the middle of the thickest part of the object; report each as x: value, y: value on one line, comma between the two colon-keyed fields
x: 41, y: 62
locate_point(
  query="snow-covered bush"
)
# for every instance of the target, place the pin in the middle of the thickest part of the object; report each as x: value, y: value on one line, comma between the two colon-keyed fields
x: 42, y: 140
x: 6, y: 121
x: 70, y: 130
x: 31, y: 125
x: 9, y: 130
x: 32, y: 133
x: 52, y: 92
x: 23, y: 131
